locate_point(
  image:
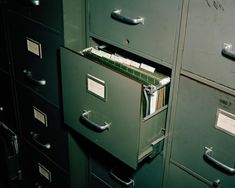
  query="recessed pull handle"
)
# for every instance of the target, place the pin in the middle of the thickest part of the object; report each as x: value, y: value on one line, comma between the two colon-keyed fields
x: 29, y: 75
x: 228, y: 52
x: 116, y: 14
x: 208, y: 157
x: 35, y: 138
x: 85, y: 117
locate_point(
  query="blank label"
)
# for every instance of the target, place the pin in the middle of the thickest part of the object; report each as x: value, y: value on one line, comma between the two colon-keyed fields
x: 34, y: 47
x: 44, y: 172
x: 225, y: 122
x: 96, y: 86
x: 40, y: 116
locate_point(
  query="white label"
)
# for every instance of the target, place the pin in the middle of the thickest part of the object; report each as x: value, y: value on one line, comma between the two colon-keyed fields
x: 147, y: 67
x: 40, y: 116
x: 96, y: 86
x: 34, y: 47
x: 225, y: 122
x: 44, y: 172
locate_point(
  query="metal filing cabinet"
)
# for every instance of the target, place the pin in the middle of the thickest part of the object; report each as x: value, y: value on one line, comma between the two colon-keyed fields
x: 114, y: 114
x: 203, y: 139
x: 148, y: 29
x: 35, y: 33
x: 209, y: 41
x: 35, y: 56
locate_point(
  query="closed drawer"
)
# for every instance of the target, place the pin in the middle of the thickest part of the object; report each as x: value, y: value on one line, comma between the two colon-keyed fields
x: 38, y: 171
x: 41, y: 125
x: 7, y: 107
x: 109, y: 172
x: 179, y: 178
x: 209, y: 30
x: 204, y: 129
x: 120, y: 23
x: 40, y: 11
x: 35, y: 54
x: 106, y: 107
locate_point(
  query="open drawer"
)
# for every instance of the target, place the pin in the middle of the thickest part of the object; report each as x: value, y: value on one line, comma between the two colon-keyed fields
x: 108, y: 107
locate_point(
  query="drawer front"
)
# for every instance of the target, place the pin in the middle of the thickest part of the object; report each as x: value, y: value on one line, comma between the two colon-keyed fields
x: 39, y: 171
x: 35, y: 53
x: 7, y: 107
x: 40, y: 11
x: 41, y: 125
x: 106, y: 169
x: 208, y: 29
x: 204, y: 118
x: 111, y: 99
x: 179, y: 178
x: 155, y: 36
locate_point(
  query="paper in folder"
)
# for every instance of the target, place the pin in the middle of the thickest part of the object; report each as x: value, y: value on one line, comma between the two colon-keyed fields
x: 155, y: 84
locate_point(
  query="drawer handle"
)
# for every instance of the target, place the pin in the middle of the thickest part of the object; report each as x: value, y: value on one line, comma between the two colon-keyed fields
x: 32, y: 2
x: 35, y: 2
x: 35, y: 138
x: 208, y: 157
x: 85, y: 117
x: 227, y: 51
x: 116, y: 14
x: 120, y: 180
x: 30, y: 77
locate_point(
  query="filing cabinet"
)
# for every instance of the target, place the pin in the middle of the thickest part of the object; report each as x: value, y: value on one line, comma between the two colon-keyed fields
x: 148, y: 29
x: 114, y: 105
x: 209, y: 41
x: 48, y: 13
x: 41, y: 172
x: 42, y: 126
x: 35, y: 56
x: 203, y: 138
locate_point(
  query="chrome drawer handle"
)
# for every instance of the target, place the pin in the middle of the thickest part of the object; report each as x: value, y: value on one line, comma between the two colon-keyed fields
x: 208, y: 157
x: 228, y: 52
x: 85, y: 117
x: 131, y: 182
x: 28, y: 74
x: 35, y: 2
x: 32, y: 2
x: 35, y: 138
x: 116, y: 14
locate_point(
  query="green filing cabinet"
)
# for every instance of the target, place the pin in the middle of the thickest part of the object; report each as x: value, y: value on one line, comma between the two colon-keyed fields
x: 209, y: 41
x: 106, y: 107
x: 203, y: 139
x: 148, y: 29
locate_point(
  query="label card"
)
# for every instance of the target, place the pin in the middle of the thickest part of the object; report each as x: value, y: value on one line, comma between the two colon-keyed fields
x: 96, y: 86
x: 225, y: 122
x: 34, y: 47
x: 40, y: 116
x: 44, y: 172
